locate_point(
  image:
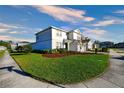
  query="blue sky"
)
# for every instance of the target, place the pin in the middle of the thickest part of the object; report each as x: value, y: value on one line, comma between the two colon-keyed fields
x: 104, y: 23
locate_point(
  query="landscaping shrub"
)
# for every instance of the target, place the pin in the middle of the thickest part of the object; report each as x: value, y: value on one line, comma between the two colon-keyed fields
x: 36, y: 51
x: 62, y: 50
x: 19, y: 49
x: 49, y: 51
x: 104, y: 49
x: 27, y: 48
x: 23, y: 49
x: 5, y: 44
x: 39, y: 51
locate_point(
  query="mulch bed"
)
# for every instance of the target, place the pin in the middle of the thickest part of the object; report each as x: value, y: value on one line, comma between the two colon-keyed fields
x: 56, y: 55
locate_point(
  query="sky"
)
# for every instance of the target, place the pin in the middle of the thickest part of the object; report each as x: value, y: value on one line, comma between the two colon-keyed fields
x: 103, y: 23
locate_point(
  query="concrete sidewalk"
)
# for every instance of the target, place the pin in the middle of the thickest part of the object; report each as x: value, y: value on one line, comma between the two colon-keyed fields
x: 12, y: 76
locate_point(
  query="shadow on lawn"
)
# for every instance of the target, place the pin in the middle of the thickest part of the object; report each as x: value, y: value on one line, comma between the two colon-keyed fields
x: 11, y: 68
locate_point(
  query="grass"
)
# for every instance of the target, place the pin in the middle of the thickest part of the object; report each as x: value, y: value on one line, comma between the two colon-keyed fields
x: 69, y: 69
x: 1, y: 53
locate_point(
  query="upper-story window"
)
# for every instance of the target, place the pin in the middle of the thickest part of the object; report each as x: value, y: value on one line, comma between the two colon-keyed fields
x: 78, y: 37
x: 59, y: 33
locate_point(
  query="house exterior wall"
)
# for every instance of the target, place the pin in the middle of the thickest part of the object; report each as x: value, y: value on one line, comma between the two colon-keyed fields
x: 75, y: 46
x: 74, y: 35
x: 42, y: 45
x: 90, y: 45
x: 70, y: 35
x: 57, y: 37
x: 43, y: 40
x: 44, y: 36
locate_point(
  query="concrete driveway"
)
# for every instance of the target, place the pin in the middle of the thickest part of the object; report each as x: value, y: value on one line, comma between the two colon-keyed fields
x: 12, y: 76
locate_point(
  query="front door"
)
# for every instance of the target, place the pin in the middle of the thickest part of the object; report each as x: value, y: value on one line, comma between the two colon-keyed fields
x: 66, y: 46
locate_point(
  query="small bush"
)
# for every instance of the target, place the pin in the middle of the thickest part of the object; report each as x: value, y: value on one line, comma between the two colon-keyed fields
x: 104, y: 49
x: 23, y: 49
x: 36, y: 51
x: 50, y: 51
x: 54, y: 51
x: 62, y: 50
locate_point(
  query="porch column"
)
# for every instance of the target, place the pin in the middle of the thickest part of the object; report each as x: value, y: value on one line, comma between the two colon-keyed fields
x: 68, y: 46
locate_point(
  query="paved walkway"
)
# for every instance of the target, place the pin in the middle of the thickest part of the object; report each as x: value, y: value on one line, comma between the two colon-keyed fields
x: 12, y: 76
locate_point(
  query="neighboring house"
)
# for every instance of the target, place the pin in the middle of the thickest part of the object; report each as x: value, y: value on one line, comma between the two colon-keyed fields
x: 106, y: 44
x: 96, y: 44
x: 91, y: 45
x: 13, y: 45
x: 55, y: 38
x: 119, y: 45
x: 21, y: 43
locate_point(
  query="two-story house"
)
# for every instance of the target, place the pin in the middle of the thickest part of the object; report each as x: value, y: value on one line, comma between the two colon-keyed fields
x: 55, y: 38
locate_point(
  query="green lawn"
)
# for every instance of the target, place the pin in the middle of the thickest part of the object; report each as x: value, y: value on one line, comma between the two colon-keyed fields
x: 69, y: 69
x: 1, y: 53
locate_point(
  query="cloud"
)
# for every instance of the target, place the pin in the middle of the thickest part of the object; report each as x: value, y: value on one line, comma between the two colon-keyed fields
x: 6, y: 27
x: 119, y: 12
x: 64, y: 14
x: 105, y: 23
x: 4, y: 37
x: 17, y: 32
x: 97, y: 34
x: 14, y: 32
x: 96, y: 31
x: 68, y: 28
x: 3, y: 30
x: 22, y: 32
x: 16, y: 29
x: 7, y: 38
x: 109, y: 20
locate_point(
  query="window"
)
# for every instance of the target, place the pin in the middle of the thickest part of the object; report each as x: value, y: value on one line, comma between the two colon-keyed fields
x: 59, y: 33
x: 58, y: 45
x: 78, y: 37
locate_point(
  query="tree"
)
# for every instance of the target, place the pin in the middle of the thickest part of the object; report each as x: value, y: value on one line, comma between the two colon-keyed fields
x: 19, y: 49
x: 24, y: 49
x: 27, y: 48
x: 5, y: 44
